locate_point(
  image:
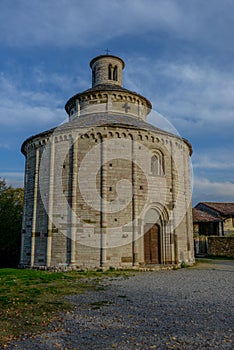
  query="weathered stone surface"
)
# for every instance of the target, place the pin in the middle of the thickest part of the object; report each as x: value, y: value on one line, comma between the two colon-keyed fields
x: 221, y: 246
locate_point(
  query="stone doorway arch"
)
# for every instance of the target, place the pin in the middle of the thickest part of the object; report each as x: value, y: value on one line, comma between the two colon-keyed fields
x: 156, y: 245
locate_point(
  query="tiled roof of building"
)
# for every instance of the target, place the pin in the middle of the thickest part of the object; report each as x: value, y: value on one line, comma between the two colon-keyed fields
x: 105, y: 119
x: 202, y: 216
x: 221, y: 208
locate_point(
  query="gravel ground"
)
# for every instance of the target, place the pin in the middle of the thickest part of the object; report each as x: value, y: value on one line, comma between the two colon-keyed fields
x: 183, y: 309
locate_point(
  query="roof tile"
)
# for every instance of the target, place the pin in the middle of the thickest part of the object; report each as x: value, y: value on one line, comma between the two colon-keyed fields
x: 221, y: 208
x: 202, y: 216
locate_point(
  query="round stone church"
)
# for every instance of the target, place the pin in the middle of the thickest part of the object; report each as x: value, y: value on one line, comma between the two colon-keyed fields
x: 106, y: 188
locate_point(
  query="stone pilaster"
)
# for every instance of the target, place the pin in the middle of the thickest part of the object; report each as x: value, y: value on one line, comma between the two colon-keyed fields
x: 174, y: 252
x: 50, y: 205
x: 135, y: 248
x: 34, y: 219
x: 74, y: 201
x: 103, y: 199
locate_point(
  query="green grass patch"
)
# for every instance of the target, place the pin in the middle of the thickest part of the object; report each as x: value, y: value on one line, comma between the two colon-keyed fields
x: 30, y: 299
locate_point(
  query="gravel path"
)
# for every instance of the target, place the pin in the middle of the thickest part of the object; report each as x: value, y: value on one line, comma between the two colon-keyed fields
x: 184, y: 309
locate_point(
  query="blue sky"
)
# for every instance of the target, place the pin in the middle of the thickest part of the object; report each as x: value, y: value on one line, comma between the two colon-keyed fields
x: 178, y: 53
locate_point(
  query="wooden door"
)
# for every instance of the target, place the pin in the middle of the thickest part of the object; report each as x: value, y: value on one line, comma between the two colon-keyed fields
x: 152, y: 244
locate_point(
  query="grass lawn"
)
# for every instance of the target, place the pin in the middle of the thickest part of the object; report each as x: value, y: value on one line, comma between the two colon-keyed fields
x: 30, y: 299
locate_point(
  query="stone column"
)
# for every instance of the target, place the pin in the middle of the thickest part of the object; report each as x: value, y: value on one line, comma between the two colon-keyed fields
x: 220, y: 228
x: 134, y: 206
x: 50, y: 204
x: 34, y: 218
x: 78, y: 107
x: 186, y: 201
x: 103, y: 190
x: 108, y: 103
x: 169, y: 245
x: 174, y: 253
x: 74, y: 201
x: 111, y: 72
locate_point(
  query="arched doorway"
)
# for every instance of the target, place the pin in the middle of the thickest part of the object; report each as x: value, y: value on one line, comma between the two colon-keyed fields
x: 152, y: 250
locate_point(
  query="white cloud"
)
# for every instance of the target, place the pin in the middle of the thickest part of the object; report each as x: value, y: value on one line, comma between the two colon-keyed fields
x: 216, y: 159
x: 25, y: 115
x: 206, y: 190
x: 196, y: 97
x: 21, y: 106
x: 15, y: 179
x: 89, y: 23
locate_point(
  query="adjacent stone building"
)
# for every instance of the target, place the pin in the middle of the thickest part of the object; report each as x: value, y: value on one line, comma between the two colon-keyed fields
x: 221, y: 218
x: 106, y: 188
x: 206, y: 224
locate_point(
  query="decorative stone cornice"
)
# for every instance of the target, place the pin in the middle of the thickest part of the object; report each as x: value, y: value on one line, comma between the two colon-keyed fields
x: 107, y: 99
x: 66, y: 132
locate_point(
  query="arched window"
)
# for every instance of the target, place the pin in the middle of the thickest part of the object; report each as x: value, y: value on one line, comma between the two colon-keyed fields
x: 157, y: 165
x: 112, y: 72
x: 115, y: 74
x: 110, y: 69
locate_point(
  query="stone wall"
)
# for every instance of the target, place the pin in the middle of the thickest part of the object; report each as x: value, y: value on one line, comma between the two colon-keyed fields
x: 221, y: 246
x: 47, y: 242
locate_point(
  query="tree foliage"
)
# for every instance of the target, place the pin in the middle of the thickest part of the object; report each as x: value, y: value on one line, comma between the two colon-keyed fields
x: 11, y: 206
